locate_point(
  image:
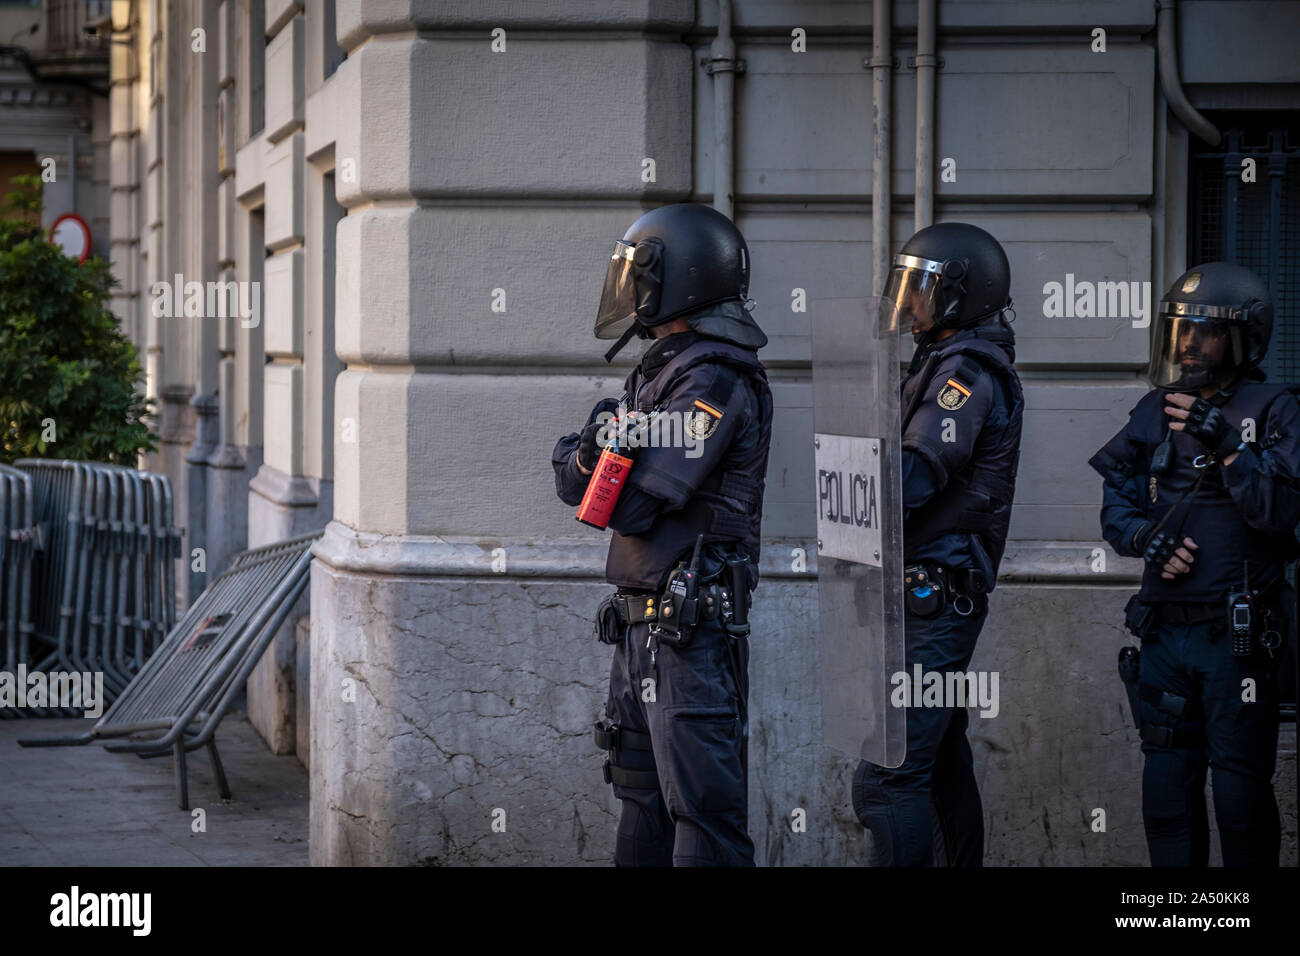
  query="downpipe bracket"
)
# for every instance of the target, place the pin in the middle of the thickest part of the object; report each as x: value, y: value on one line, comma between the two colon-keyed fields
x: 720, y: 64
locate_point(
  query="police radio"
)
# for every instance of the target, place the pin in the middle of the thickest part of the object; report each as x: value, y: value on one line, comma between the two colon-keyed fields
x: 680, y: 609
x: 1241, y: 618
x: 1162, y: 459
x: 1241, y: 615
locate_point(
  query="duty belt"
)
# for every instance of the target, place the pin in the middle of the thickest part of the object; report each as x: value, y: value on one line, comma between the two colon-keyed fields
x: 633, y: 607
x: 957, y: 582
x: 1183, y: 615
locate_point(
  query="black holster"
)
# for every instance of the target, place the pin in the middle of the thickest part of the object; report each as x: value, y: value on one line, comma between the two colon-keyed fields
x: 1139, y: 618
x: 1130, y: 663
x: 925, y: 590
x: 721, y: 593
x: 682, y: 608
x: 609, y: 630
x: 735, y: 601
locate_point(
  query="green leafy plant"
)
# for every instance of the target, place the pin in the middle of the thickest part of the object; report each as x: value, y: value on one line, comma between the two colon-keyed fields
x: 66, y: 368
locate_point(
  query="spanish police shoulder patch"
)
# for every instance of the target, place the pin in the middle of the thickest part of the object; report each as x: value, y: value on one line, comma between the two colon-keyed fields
x: 953, y: 395
x: 704, y: 421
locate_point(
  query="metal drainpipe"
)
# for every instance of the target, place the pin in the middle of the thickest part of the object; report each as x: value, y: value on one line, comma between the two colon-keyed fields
x: 723, y: 67
x: 926, y: 63
x: 1167, y: 54
x: 882, y: 65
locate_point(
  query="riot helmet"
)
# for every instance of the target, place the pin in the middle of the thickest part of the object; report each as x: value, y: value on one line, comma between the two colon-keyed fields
x: 1213, y: 327
x: 951, y: 275
x: 673, y: 261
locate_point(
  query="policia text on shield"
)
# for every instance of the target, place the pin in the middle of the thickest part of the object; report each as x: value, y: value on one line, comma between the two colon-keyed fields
x: 685, y: 545
x: 847, y: 497
x: 914, y: 498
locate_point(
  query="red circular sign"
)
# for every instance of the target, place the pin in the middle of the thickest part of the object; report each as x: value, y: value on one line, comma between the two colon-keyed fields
x: 71, y: 234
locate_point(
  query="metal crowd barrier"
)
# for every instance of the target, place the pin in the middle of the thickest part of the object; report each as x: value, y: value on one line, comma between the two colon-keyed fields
x: 102, y: 584
x: 19, y: 539
x: 186, y: 687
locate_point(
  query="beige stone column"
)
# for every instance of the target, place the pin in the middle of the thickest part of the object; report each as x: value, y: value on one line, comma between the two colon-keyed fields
x: 486, y: 169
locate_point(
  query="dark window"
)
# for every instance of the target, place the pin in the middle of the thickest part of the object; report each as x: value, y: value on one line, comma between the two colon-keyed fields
x: 1256, y: 225
x: 333, y: 55
x: 256, y: 67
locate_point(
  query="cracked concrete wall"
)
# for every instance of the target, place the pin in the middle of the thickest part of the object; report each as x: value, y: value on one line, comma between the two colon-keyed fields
x: 439, y: 702
x: 475, y: 694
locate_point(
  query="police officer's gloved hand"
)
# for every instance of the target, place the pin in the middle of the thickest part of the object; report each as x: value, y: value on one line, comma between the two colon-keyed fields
x: 588, y: 446
x: 1160, y: 548
x: 1207, y: 425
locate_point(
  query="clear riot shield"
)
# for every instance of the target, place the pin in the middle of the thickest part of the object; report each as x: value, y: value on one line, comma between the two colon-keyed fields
x: 859, y: 527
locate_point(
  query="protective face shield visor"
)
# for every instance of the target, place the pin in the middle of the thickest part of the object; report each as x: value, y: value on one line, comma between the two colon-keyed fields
x: 1196, y: 346
x: 912, y: 300
x: 620, y: 299
x: 617, y: 309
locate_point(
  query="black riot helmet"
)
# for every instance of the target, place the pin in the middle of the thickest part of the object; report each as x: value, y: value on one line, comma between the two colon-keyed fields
x: 954, y: 272
x: 673, y: 261
x: 1213, y: 327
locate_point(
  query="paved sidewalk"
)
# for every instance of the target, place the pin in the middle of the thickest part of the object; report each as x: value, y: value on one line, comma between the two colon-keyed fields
x: 83, y: 806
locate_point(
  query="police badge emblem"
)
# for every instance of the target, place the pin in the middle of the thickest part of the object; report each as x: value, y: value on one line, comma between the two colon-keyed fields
x: 701, y: 425
x: 953, y: 395
x: 1191, y: 282
x: 704, y: 421
x: 1153, y: 489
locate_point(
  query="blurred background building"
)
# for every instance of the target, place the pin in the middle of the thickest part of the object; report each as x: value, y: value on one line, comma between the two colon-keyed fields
x: 54, y: 106
x: 424, y: 193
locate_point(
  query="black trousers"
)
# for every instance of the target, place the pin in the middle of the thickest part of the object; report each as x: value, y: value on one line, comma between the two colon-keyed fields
x: 691, y: 703
x: 928, y: 809
x: 1231, y: 727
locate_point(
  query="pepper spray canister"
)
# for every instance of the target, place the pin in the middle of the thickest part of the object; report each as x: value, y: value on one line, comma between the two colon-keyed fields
x: 603, y: 489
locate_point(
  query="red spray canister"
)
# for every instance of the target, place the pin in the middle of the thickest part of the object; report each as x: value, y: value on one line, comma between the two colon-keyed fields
x: 605, y: 486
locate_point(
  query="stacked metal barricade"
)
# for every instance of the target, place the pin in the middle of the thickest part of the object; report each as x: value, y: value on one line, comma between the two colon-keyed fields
x: 18, y: 542
x: 178, y: 699
x: 88, y: 570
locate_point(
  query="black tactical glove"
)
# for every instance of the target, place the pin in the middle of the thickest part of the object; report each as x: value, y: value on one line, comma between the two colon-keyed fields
x: 1160, y: 548
x: 1207, y: 425
x: 588, y: 447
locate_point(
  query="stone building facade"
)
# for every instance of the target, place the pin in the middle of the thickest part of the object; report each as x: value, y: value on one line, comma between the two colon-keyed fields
x: 423, y: 193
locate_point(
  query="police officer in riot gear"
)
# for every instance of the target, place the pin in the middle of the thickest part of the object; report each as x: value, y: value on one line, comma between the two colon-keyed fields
x: 961, y: 414
x: 1203, y: 483
x: 684, y: 552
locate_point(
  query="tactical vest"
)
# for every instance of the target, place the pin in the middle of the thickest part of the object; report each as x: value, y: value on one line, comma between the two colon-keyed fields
x: 728, y: 505
x: 977, y: 498
x: 1210, y: 517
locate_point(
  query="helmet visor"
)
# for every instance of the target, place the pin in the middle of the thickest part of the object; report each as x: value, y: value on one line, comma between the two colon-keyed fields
x: 911, y: 297
x: 617, y: 309
x: 1192, y: 351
